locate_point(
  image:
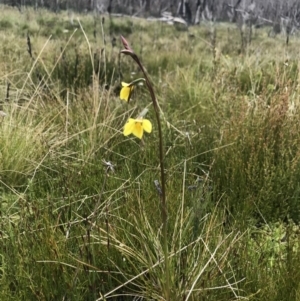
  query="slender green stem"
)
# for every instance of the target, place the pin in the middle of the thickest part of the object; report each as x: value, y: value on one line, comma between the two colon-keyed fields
x: 164, y: 209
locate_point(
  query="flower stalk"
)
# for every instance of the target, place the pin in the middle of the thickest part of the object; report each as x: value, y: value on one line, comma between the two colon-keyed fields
x: 164, y: 209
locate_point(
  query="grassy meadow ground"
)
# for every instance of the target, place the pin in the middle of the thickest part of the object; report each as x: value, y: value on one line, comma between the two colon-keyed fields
x: 72, y: 229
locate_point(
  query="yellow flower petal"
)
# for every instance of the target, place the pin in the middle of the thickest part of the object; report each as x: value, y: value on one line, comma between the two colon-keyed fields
x: 147, y: 125
x: 129, y: 127
x: 126, y: 91
x: 138, y: 129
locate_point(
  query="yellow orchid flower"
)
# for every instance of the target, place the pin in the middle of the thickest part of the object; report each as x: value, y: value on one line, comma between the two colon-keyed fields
x: 137, y: 127
x: 126, y: 91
